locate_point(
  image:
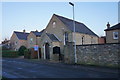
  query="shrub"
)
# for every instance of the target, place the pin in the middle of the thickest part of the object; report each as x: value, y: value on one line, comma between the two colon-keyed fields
x: 27, y: 53
x: 10, y: 54
x: 21, y: 50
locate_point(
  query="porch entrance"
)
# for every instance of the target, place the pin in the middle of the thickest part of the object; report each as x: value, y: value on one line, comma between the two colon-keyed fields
x: 47, y: 51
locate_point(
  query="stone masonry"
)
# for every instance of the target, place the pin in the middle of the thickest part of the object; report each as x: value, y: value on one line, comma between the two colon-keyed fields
x: 94, y: 54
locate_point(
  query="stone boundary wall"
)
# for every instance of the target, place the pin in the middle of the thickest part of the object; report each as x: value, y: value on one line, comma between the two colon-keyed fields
x: 94, y: 54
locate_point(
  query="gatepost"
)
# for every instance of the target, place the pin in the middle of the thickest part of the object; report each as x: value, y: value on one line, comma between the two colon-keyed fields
x: 69, y: 53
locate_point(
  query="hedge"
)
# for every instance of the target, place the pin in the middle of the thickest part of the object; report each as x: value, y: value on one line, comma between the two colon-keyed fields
x: 10, y: 54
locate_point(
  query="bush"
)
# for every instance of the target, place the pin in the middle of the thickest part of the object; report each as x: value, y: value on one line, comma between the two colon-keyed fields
x: 27, y: 54
x: 21, y: 50
x: 10, y: 54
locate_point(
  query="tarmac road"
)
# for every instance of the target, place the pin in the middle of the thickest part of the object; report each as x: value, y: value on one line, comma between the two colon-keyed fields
x: 23, y: 68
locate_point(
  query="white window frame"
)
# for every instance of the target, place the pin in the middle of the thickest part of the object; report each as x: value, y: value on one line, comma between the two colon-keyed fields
x: 115, y: 33
x: 66, y: 37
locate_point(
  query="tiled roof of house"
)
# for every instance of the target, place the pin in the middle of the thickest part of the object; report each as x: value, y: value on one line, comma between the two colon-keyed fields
x: 21, y: 35
x: 52, y: 37
x: 80, y: 27
x: 117, y: 26
x: 38, y: 34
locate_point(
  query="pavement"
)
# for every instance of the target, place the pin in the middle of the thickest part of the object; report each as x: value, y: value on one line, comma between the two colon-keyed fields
x: 27, y: 68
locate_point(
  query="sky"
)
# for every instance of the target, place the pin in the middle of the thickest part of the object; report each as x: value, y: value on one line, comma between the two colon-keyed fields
x: 32, y: 16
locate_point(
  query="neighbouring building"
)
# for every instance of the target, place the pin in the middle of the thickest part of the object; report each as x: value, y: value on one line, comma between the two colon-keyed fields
x: 34, y: 38
x: 59, y: 31
x: 113, y: 33
x: 6, y: 44
x: 102, y: 40
x: 18, y: 39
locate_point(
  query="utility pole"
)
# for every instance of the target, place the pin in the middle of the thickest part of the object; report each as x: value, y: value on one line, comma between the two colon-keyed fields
x: 74, y: 33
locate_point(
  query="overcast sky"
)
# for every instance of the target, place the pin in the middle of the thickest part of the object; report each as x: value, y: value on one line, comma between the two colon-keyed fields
x: 30, y: 16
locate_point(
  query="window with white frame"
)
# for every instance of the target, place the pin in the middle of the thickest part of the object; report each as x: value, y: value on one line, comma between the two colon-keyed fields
x: 115, y: 35
x: 65, y: 37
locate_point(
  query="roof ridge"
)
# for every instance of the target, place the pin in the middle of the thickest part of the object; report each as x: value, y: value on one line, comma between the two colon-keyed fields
x: 21, y: 32
x: 67, y: 18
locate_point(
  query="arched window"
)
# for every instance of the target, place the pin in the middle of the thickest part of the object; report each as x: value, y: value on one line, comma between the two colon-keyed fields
x: 31, y: 40
x: 56, y: 50
x: 54, y: 24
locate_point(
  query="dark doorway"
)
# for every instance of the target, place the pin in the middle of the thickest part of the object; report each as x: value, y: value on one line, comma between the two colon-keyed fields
x: 40, y: 52
x: 47, y: 51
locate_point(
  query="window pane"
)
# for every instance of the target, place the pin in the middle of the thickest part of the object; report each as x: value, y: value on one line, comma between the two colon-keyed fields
x: 66, y: 36
x: 115, y: 35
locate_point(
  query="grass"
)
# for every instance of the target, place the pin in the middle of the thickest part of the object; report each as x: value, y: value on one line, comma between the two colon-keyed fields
x: 4, y: 78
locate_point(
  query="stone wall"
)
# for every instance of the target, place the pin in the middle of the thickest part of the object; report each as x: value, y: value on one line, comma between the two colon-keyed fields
x: 95, y: 54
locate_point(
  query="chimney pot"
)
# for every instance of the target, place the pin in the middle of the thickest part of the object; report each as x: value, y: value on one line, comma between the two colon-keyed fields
x: 24, y: 30
x: 36, y: 30
x: 108, y: 25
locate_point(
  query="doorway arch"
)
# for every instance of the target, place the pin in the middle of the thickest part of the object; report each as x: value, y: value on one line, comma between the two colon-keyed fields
x: 47, y: 51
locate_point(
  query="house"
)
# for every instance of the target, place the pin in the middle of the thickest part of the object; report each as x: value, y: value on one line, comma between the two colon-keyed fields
x: 113, y: 33
x: 18, y: 39
x: 59, y: 31
x: 33, y: 39
x: 6, y: 44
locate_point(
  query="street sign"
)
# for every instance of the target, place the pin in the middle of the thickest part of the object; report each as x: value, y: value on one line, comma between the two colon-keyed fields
x: 36, y: 47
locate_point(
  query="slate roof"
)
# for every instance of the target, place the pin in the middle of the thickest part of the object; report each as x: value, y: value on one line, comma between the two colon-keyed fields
x: 117, y: 26
x: 21, y: 35
x: 80, y: 27
x: 38, y: 34
x: 52, y: 37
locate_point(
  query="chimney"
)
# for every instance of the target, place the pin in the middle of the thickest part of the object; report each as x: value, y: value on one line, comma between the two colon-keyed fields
x: 108, y: 25
x: 24, y: 31
x: 36, y: 31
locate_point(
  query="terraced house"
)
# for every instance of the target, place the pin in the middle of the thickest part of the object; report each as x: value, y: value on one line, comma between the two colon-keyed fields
x: 18, y: 39
x: 59, y: 31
